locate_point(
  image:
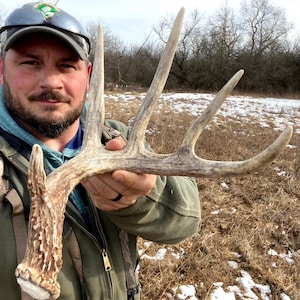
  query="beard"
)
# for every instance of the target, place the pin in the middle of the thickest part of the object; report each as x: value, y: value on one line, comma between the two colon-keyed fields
x: 47, y: 126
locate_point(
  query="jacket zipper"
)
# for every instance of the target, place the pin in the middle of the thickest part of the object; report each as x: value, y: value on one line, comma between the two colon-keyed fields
x: 102, y: 250
x: 106, y: 261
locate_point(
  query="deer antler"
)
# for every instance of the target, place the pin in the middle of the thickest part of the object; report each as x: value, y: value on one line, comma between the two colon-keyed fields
x: 37, y: 273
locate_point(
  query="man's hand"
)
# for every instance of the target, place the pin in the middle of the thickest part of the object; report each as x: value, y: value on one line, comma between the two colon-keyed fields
x: 119, y: 189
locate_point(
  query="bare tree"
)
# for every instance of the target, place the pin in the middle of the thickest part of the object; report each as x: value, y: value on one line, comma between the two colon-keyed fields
x: 189, y: 38
x: 265, y: 26
x: 223, y: 40
x: 114, y: 53
x: 265, y: 40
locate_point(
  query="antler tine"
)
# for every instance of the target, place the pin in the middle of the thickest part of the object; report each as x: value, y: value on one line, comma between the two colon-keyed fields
x: 37, y: 273
x: 261, y: 159
x: 95, y: 97
x: 200, y: 167
x: 159, y: 80
x: 199, y: 124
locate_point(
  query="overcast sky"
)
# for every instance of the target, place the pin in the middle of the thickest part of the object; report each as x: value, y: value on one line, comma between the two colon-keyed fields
x: 132, y: 20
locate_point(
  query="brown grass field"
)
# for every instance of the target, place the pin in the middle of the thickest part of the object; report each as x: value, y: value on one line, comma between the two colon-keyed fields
x: 256, y: 213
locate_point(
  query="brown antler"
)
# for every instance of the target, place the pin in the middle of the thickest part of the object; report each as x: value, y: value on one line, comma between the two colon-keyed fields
x: 37, y: 273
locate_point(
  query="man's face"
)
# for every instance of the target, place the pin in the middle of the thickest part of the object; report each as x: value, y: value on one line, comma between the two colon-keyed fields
x: 44, y: 84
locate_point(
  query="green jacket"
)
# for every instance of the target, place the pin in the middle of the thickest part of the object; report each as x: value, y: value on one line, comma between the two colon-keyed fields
x: 169, y: 214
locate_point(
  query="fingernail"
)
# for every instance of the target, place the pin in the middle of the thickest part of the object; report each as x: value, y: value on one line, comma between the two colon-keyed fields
x: 119, y: 178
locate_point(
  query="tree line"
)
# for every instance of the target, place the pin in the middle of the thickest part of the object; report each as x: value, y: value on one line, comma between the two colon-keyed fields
x: 211, y: 49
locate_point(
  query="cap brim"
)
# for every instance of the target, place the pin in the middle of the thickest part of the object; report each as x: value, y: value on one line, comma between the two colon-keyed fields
x: 63, y: 36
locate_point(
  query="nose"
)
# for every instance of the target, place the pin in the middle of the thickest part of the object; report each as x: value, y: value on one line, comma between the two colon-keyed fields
x: 50, y: 78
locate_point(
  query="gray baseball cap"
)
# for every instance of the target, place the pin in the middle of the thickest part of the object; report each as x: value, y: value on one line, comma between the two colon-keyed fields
x: 45, y: 18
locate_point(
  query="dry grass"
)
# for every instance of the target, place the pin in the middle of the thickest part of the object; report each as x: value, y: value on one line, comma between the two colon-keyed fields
x: 256, y: 212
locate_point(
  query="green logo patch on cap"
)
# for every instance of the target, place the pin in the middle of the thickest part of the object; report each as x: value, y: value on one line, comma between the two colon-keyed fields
x: 47, y: 10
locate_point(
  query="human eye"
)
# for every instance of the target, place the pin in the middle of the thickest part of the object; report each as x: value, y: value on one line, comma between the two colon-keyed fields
x: 67, y: 67
x: 29, y: 62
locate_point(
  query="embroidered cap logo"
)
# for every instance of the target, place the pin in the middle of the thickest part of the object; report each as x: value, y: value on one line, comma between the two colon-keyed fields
x: 47, y: 10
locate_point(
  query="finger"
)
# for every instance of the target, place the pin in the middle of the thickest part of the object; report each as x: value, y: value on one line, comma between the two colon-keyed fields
x: 130, y: 182
x: 126, y: 183
x: 98, y: 188
x: 115, y: 144
x: 107, y: 201
x: 109, y: 205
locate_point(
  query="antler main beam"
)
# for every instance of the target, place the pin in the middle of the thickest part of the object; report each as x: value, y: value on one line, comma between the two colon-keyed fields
x: 37, y: 274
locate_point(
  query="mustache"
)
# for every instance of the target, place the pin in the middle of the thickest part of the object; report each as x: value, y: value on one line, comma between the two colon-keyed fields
x: 49, y: 95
